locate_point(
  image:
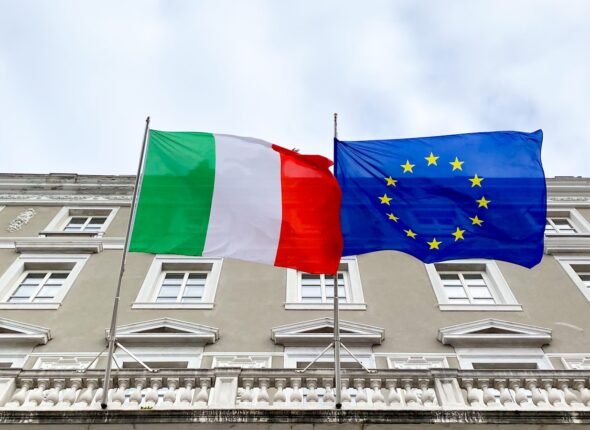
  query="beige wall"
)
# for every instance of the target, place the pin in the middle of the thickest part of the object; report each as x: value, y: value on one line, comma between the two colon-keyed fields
x: 250, y: 300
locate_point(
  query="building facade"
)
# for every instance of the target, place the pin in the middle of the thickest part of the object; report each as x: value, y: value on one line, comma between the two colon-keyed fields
x: 465, y: 343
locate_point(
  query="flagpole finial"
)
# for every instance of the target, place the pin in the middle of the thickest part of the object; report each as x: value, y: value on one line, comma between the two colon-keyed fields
x: 335, y: 125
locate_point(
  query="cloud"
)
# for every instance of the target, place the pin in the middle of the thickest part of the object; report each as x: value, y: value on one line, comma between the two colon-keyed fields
x: 78, y: 78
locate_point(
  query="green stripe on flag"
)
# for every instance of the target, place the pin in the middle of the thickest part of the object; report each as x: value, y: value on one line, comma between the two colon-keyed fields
x: 175, y: 197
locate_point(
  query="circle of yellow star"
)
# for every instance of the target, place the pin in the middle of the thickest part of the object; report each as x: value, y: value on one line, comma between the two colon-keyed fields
x: 456, y: 164
x: 458, y: 234
x: 476, y: 221
x: 483, y: 203
x: 385, y: 200
x: 476, y: 181
x: 410, y: 233
x: 391, y: 181
x: 407, y: 167
x: 392, y: 217
x: 431, y: 159
x: 434, y: 243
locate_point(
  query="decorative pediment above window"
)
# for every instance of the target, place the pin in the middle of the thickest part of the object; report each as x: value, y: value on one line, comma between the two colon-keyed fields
x: 15, y: 332
x: 321, y: 332
x: 166, y: 330
x: 494, y: 333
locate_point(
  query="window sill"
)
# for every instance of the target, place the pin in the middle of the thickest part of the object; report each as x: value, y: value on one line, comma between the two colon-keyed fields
x: 52, y: 233
x: 151, y: 305
x: 325, y: 306
x: 472, y: 308
x: 41, y: 306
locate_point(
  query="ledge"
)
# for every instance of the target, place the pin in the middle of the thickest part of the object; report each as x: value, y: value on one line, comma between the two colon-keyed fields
x: 474, y: 308
x: 325, y: 306
x: 62, y: 246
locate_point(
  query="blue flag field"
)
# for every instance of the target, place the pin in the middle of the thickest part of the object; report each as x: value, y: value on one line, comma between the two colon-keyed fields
x: 478, y: 195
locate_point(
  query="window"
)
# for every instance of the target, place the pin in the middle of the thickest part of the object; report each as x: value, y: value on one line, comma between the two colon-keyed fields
x: 471, y: 285
x: 39, y: 281
x: 565, y: 222
x: 578, y: 269
x: 180, y: 282
x: 80, y: 221
x: 308, y: 291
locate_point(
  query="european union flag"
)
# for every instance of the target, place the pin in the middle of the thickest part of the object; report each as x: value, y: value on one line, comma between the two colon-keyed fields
x: 479, y: 195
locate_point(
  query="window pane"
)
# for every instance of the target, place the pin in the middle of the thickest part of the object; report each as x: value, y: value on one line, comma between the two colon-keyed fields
x: 193, y: 292
x: 173, y: 279
x: 24, y: 291
x: 456, y: 301
x: 310, y: 291
x: 169, y: 291
x: 75, y: 224
x: 310, y: 280
x: 48, y: 291
x: 196, y: 279
x: 455, y: 292
x: 480, y: 292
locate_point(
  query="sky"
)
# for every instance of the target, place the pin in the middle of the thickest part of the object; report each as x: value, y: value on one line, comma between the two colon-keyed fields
x: 77, y: 79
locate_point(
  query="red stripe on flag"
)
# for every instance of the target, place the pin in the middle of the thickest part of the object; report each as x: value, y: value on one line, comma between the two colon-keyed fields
x: 310, y: 238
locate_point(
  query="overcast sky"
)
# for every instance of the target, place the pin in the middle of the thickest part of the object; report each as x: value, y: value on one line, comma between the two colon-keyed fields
x: 78, y: 78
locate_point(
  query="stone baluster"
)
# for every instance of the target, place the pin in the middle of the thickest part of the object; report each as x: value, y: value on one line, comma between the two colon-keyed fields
x: 552, y: 394
x: 488, y: 397
x: 135, y: 398
x: 505, y: 396
x: 69, y: 396
x: 37, y: 395
x: 279, y: 397
x: 202, y: 397
x: 520, y: 396
x: 377, y: 397
x: 328, y: 392
x: 393, y: 397
x: 151, y: 396
x: 312, y: 395
x: 170, y: 396
x: 246, y: 394
x: 472, y: 394
x: 186, y: 393
x: 87, y: 396
x: 19, y: 396
x: 536, y: 393
x: 428, y: 397
x: 296, y: 396
x: 361, y: 395
x: 579, y: 384
x: 262, y: 398
x: 570, y: 398
x: 118, y: 395
x: 410, y: 397
x: 344, y: 394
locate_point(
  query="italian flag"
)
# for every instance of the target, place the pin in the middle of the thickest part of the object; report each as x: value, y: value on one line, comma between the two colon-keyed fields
x: 216, y: 195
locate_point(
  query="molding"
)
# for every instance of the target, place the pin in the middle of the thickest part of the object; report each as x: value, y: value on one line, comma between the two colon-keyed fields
x: 481, y: 308
x: 23, y: 333
x: 58, y: 246
x: 325, y: 306
x: 244, y: 361
x: 494, y: 333
x: 107, y: 242
x: 166, y: 330
x: 20, y: 220
x: 320, y: 331
x: 573, y: 243
x: 416, y: 361
x: 566, y: 261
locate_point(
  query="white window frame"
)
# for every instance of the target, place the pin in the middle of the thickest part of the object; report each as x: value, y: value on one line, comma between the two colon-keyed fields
x: 146, y: 299
x: 468, y: 356
x: 352, y: 284
x: 574, y: 361
x: 61, y: 220
x: 167, y: 353
x: 416, y: 361
x: 577, y: 221
x: 65, y: 361
x: 295, y: 354
x: 566, y: 261
x: 10, y: 279
x: 505, y: 300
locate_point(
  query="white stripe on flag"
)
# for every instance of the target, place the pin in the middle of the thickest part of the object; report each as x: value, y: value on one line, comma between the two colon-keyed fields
x: 246, y: 211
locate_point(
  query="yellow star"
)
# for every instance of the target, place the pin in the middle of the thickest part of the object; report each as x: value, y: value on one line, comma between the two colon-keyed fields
x: 434, y: 244
x: 458, y: 234
x: 410, y: 233
x: 391, y: 181
x: 476, y: 181
x: 385, y: 200
x: 431, y: 159
x: 407, y: 167
x: 476, y: 221
x: 456, y: 164
x: 392, y: 217
x: 483, y: 203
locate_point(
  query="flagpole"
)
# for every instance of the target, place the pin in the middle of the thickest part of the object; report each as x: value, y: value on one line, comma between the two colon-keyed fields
x: 337, y: 381
x: 112, y: 331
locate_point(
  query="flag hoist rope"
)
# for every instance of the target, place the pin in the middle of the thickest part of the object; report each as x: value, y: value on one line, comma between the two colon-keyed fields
x: 112, y: 332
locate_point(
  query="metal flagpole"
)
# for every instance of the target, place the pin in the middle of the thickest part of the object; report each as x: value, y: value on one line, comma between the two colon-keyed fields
x: 112, y: 332
x: 337, y: 382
